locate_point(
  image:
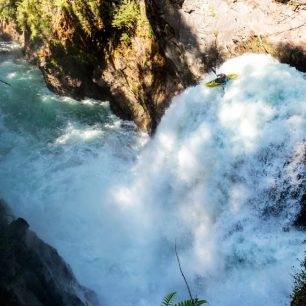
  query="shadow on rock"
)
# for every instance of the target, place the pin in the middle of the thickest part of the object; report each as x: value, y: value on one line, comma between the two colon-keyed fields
x: 293, y: 55
x: 176, y: 38
x: 32, y: 272
x: 213, y: 57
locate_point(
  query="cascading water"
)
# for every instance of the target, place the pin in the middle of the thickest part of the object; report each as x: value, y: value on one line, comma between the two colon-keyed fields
x: 222, y: 177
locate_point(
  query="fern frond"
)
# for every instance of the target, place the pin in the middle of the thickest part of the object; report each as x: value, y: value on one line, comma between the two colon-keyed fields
x: 191, y: 303
x: 185, y: 303
x: 200, y: 302
x: 168, y: 299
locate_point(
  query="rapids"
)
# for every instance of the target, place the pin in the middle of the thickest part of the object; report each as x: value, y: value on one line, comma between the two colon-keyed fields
x: 222, y: 177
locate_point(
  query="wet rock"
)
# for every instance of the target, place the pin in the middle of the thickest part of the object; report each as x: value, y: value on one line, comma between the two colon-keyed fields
x: 300, y: 220
x: 18, y: 228
x: 32, y: 272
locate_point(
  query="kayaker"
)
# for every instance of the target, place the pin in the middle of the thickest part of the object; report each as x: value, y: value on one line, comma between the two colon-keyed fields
x: 221, y: 78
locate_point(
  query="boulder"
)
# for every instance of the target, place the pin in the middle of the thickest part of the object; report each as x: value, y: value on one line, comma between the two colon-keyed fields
x: 32, y: 272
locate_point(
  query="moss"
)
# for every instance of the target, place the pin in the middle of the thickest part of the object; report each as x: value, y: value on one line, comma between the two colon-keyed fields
x: 55, y: 63
x: 125, y: 37
x: 159, y: 60
x: 212, y: 11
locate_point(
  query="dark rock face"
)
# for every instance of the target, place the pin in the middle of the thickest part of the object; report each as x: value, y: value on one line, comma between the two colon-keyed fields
x: 32, y: 272
x: 298, y: 297
x: 300, y: 220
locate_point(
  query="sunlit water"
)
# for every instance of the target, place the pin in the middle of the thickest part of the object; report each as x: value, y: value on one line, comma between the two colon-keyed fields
x: 222, y: 177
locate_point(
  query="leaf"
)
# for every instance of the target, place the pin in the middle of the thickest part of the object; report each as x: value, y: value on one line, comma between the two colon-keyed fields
x: 168, y: 299
x: 191, y: 303
x: 185, y: 303
x: 200, y: 302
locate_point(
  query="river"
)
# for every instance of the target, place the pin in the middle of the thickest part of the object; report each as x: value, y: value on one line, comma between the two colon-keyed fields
x: 222, y: 178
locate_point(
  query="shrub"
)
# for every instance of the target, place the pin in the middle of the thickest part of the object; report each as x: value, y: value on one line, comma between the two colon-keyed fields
x: 36, y: 15
x: 39, y: 16
x: 88, y: 15
x: 8, y: 10
x: 126, y: 15
x: 299, y: 290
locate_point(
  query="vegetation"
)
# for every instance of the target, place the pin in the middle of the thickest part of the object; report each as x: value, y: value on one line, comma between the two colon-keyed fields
x: 168, y: 300
x: 35, y: 16
x: 88, y: 14
x: 299, y: 291
x: 126, y: 15
x: 8, y: 10
x: 40, y: 17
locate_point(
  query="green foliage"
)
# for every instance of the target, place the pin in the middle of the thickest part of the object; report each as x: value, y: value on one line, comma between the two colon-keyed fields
x: 8, y: 10
x: 76, y: 20
x: 169, y: 298
x: 35, y: 15
x: 299, y: 290
x: 88, y: 15
x: 126, y: 15
x: 39, y: 16
x: 125, y: 38
x: 151, y: 32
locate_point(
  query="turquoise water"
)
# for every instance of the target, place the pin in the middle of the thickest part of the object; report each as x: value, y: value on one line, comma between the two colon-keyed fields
x: 222, y: 177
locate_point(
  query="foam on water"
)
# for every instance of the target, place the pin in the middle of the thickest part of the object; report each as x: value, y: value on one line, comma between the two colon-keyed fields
x: 222, y: 177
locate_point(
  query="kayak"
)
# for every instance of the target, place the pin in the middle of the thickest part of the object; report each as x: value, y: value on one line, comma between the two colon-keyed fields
x: 215, y: 83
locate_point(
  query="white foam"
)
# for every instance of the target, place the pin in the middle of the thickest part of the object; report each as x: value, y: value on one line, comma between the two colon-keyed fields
x: 218, y: 178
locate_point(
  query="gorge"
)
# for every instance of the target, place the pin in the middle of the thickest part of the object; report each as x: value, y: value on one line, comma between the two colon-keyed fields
x: 223, y: 174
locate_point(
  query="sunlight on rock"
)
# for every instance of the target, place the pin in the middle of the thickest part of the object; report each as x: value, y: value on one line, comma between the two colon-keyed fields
x: 221, y: 177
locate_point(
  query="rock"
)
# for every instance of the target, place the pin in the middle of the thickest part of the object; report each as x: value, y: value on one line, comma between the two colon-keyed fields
x: 32, y: 272
x: 9, y: 32
x: 300, y: 220
x: 18, y: 228
x: 174, y: 43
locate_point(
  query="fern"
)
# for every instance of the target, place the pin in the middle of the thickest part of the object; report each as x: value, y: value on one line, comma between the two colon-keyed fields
x: 191, y: 303
x: 168, y: 299
x: 185, y: 303
x: 200, y: 302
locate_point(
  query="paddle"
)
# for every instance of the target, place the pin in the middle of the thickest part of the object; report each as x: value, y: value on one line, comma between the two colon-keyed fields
x: 214, y: 71
x: 5, y: 83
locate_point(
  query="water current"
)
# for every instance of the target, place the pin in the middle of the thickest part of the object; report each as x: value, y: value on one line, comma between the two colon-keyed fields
x: 222, y: 177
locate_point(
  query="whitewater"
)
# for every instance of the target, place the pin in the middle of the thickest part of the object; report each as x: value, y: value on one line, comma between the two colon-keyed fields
x: 222, y: 177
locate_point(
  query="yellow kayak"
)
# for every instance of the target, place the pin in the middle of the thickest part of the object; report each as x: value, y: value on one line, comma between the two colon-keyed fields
x: 215, y: 83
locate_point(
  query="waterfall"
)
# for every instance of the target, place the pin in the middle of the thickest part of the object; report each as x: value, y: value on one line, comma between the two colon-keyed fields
x: 222, y: 177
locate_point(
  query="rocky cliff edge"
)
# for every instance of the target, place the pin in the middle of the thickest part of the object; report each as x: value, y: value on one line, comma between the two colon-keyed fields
x: 170, y: 45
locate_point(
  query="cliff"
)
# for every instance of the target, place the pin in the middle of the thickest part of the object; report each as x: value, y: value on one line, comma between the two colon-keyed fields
x: 139, y: 54
x: 32, y: 272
